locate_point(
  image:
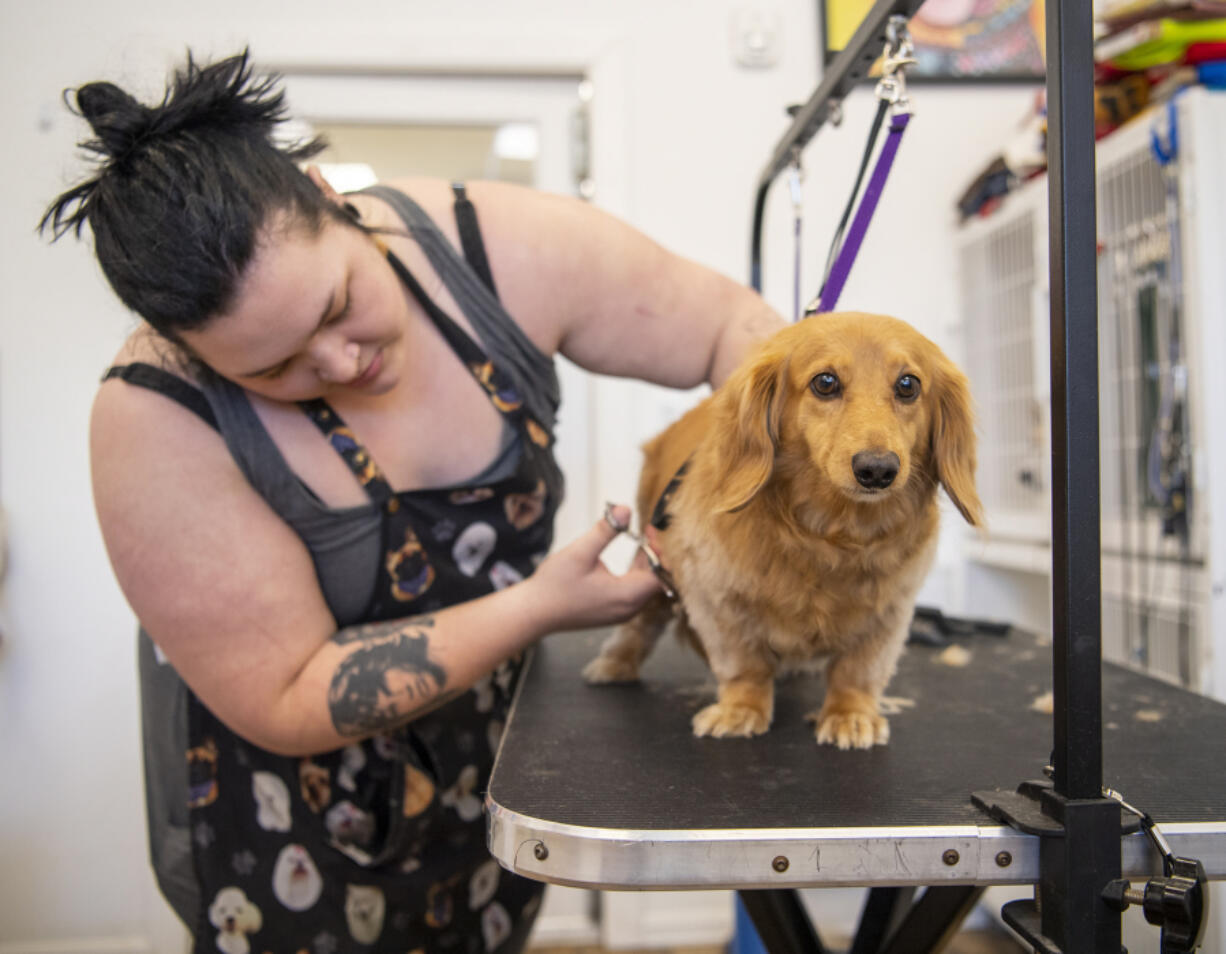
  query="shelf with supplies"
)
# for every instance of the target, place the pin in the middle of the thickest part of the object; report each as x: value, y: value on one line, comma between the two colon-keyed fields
x: 1162, y: 336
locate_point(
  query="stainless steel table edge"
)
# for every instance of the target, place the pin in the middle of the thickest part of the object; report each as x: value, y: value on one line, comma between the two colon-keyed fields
x: 678, y: 860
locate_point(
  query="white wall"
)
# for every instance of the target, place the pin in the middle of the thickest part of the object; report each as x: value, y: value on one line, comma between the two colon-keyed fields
x: 685, y: 135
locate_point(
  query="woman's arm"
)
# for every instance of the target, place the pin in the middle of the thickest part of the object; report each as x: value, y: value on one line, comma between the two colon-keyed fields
x: 582, y: 282
x: 229, y: 593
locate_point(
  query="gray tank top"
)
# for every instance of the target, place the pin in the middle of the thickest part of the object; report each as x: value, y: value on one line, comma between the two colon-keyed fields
x: 344, y: 543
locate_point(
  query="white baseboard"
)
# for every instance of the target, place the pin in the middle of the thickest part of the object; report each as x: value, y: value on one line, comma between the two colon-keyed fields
x: 660, y: 919
x: 76, y: 945
x: 567, y: 919
x: 564, y: 930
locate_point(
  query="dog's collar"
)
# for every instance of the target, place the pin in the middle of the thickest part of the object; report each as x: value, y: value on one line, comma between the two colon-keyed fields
x: 660, y: 517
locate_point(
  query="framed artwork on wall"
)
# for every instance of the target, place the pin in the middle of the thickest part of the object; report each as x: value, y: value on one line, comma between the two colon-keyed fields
x: 956, y: 41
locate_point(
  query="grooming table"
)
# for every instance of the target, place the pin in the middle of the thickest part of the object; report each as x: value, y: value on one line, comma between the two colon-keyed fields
x: 606, y: 787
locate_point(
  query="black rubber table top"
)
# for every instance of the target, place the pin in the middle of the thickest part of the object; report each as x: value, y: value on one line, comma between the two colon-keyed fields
x: 624, y: 756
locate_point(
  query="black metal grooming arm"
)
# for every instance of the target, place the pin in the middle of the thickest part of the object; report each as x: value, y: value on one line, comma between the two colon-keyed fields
x: 847, y: 70
x: 1080, y: 893
x: 1075, y: 867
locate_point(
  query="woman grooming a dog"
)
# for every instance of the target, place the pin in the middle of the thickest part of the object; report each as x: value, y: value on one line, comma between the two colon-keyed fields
x: 323, y: 471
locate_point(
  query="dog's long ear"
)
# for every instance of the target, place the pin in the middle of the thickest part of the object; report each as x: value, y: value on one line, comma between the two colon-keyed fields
x: 752, y: 405
x: 953, y: 442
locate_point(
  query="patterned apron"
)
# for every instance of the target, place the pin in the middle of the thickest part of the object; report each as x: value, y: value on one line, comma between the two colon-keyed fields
x: 380, y: 846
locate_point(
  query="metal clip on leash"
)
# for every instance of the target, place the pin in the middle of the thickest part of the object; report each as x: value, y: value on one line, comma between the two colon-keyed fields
x: 898, y: 55
x: 653, y: 558
x: 796, y: 178
x: 1177, y: 903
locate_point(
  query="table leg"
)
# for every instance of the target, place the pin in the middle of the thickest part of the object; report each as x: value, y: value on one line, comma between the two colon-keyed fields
x: 884, y: 909
x: 933, y: 919
x: 781, y: 921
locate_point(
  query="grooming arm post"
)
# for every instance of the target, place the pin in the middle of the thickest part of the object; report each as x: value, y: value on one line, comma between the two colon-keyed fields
x: 1077, y: 865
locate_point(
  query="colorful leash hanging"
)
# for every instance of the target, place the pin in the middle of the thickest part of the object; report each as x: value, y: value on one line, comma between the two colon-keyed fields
x: 892, y: 93
x: 1166, y: 460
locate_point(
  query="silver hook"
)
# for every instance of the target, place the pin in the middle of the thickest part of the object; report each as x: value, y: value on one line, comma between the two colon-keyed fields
x: 796, y: 176
x: 899, y: 53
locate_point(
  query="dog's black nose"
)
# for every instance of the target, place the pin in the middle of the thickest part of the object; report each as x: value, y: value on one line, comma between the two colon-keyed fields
x: 873, y: 470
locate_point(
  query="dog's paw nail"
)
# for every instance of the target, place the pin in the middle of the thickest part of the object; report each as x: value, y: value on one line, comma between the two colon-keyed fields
x: 721, y: 721
x: 603, y: 670
x: 852, y: 730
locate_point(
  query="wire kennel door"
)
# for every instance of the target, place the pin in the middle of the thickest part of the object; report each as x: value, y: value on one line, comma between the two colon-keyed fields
x: 1162, y: 311
x: 1003, y: 270
x: 1153, y: 558
x: 1143, y: 368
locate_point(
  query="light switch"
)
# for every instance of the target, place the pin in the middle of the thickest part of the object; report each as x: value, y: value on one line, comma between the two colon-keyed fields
x: 756, y: 34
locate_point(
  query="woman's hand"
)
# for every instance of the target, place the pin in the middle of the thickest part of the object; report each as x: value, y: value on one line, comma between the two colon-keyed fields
x: 578, y: 591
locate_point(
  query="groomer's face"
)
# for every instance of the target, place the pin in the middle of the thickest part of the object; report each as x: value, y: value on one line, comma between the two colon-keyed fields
x: 317, y: 312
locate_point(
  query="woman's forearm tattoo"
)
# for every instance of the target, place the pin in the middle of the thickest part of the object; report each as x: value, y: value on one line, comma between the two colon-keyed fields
x: 387, y: 677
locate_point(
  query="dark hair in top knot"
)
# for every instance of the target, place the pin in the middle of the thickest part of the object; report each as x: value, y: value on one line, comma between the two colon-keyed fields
x: 182, y: 189
x: 118, y: 120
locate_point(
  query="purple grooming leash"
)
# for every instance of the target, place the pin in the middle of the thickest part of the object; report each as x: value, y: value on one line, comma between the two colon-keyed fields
x: 891, y: 89
x: 864, y: 214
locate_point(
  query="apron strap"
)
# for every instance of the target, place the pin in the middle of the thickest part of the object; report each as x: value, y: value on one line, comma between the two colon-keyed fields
x: 346, y: 443
x: 498, y: 386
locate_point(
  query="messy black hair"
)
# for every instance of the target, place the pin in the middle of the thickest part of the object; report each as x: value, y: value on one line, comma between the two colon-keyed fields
x: 183, y: 189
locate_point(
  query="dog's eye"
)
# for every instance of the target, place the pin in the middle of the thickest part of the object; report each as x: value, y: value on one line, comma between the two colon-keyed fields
x: 907, y: 387
x: 825, y: 385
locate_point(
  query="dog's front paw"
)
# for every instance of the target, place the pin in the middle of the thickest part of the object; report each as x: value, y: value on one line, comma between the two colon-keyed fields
x: 604, y: 670
x: 853, y: 729
x: 723, y: 720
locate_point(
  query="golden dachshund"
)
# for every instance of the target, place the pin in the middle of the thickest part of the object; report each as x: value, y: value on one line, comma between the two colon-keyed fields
x: 796, y: 509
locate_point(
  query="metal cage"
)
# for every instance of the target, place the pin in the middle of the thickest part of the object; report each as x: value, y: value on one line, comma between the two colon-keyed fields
x: 1161, y: 496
